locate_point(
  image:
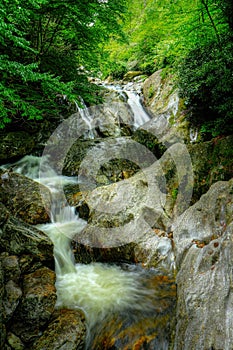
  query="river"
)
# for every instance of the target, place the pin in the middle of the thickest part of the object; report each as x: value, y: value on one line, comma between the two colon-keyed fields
x: 124, y: 303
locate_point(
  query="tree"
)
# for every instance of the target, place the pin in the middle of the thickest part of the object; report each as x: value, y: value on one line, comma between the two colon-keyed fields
x: 43, y: 44
x: 206, y: 74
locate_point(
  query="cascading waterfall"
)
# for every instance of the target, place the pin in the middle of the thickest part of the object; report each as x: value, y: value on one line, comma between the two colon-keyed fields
x: 86, y: 117
x: 140, y: 116
x: 99, y: 289
x: 132, y: 97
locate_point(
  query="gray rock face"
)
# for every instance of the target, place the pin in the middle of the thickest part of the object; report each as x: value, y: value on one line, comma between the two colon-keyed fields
x: 129, y: 218
x: 203, y: 238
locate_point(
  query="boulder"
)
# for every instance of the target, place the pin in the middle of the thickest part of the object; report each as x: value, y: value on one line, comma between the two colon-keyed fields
x: 103, y: 161
x: 14, y: 145
x: 21, y: 239
x: 36, y: 305
x: 131, y: 220
x: 131, y: 74
x: 66, y: 331
x: 203, y: 238
x: 23, y: 197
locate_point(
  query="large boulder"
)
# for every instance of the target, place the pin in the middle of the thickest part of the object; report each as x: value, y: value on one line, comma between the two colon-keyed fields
x: 104, y: 161
x: 36, y: 305
x: 23, y: 197
x: 203, y: 238
x: 19, y: 238
x: 66, y: 330
x: 132, y: 218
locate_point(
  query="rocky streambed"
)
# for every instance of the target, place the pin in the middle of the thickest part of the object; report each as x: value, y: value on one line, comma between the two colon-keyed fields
x: 160, y: 202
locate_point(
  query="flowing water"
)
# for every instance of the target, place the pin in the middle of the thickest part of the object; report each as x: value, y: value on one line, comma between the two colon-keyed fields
x: 120, y: 301
x: 140, y: 116
x: 134, y: 101
x: 114, y: 298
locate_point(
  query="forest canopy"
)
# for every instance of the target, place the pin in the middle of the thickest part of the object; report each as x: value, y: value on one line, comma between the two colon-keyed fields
x: 50, y: 47
x: 194, y: 39
x: 46, y: 48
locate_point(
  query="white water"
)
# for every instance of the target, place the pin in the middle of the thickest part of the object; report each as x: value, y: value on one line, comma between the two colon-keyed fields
x: 134, y: 101
x: 87, y: 118
x: 98, y: 289
x: 140, y: 116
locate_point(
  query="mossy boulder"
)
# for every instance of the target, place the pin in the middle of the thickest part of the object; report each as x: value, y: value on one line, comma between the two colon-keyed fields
x: 66, y: 330
x: 26, y: 199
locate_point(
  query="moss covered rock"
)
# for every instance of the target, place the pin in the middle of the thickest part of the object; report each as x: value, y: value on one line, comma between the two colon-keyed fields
x: 23, y: 197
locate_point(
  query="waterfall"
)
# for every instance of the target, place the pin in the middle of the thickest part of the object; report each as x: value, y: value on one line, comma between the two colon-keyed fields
x: 134, y: 101
x: 140, y: 116
x: 101, y: 290
x: 86, y: 117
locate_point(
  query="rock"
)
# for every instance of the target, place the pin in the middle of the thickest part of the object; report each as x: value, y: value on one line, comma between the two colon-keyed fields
x: 211, y: 162
x: 14, y: 341
x: 159, y: 94
x: 131, y: 74
x: 66, y: 331
x: 2, y: 313
x: 13, y: 294
x: 206, y: 220
x: 11, y: 267
x: 23, y: 197
x: 112, y: 119
x: 19, y: 238
x: 36, y: 306
x: 117, y: 159
x: 27, y: 291
x: 204, y: 252
x: 128, y: 221
x: 12, y: 290
x: 15, y: 144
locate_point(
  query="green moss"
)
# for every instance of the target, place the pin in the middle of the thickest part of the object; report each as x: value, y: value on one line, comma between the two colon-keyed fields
x: 151, y: 91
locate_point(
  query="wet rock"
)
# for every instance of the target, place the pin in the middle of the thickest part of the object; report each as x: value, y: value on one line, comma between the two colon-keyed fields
x: 66, y: 331
x: 206, y: 220
x: 13, y: 294
x: 15, y: 342
x: 12, y: 290
x: 15, y: 145
x: 203, y: 238
x: 150, y: 328
x: 19, y: 238
x: 23, y: 197
x: 11, y: 267
x: 159, y: 94
x: 36, y: 306
x: 112, y: 119
x: 212, y: 162
x: 128, y: 221
x: 117, y: 159
x: 2, y: 313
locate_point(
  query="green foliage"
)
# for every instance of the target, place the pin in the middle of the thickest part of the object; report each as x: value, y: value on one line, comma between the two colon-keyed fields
x: 48, y: 47
x: 206, y: 77
x: 193, y: 38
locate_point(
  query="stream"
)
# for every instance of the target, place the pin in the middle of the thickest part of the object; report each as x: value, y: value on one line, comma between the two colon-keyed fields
x: 124, y: 304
